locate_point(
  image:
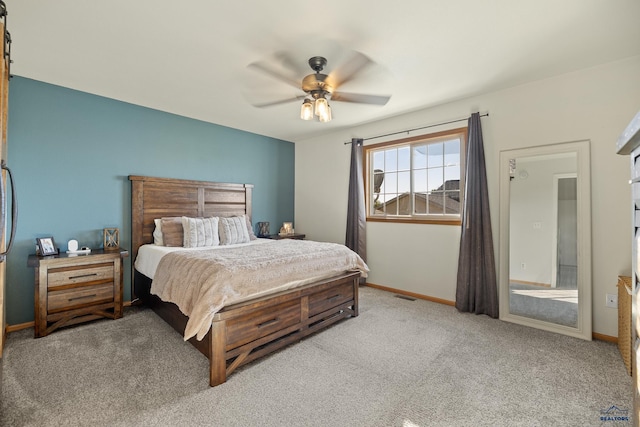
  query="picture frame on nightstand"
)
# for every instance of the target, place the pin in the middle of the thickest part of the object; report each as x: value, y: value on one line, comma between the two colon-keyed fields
x: 111, y: 239
x: 46, y: 246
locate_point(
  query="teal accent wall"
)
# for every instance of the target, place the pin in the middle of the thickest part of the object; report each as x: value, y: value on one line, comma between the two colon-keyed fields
x: 71, y: 154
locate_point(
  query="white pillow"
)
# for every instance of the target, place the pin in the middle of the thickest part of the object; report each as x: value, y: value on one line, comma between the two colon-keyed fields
x: 252, y: 236
x: 200, y: 232
x: 233, y: 230
x: 157, y: 232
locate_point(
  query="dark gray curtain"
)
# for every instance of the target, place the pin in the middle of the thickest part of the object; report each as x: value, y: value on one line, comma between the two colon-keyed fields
x: 476, y: 290
x: 356, y: 214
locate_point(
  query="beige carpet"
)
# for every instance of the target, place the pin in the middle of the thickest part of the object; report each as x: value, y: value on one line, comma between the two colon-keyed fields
x: 400, y: 363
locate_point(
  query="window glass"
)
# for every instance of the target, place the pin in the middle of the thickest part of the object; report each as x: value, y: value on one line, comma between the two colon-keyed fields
x: 378, y: 160
x: 435, y: 154
x: 420, y: 180
x: 404, y: 158
x: 391, y: 160
x: 435, y: 179
x: 419, y: 157
x: 404, y: 182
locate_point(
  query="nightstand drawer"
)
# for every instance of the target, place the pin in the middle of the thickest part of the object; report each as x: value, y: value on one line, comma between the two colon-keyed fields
x: 69, y: 299
x: 79, y: 274
x: 329, y: 298
x: 244, y: 329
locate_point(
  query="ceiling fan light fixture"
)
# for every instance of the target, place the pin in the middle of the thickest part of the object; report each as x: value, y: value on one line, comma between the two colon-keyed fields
x: 306, y: 112
x: 322, y: 105
x: 324, y: 118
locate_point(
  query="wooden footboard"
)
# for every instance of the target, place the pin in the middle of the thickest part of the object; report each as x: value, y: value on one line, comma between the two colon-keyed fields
x: 243, y: 332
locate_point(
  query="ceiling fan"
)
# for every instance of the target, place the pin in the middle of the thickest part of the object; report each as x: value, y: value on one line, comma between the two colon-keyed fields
x: 319, y: 88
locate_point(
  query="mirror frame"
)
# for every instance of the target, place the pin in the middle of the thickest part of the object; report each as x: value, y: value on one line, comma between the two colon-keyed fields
x: 582, y: 150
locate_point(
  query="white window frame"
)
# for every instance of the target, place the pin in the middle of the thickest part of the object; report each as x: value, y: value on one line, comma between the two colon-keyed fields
x: 428, y: 218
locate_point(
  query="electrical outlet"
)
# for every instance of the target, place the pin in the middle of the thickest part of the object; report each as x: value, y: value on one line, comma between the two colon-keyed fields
x: 612, y: 301
x: 523, y: 266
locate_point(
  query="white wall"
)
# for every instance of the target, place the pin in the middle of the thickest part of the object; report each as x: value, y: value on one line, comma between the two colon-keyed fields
x: 594, y: 104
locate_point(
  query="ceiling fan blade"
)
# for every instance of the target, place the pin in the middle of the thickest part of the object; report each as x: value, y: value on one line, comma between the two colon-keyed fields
x: 360, y: 98
x: 275, y: 74
x: 289, y: 61
x: 357, y: 63
x: 279, y: 102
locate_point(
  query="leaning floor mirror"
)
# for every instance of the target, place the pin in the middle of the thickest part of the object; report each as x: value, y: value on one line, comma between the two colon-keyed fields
x: 545, y: 238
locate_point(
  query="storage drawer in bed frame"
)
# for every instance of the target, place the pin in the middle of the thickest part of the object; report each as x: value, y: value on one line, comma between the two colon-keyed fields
x: 246, y: 331
x: 255, y: 325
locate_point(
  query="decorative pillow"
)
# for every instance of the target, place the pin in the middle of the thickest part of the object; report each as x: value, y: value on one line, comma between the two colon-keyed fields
x: 172, y: 234
x: 157, y: 232
x: 200, y: 232
x: 233, y: 230
x: 252, y: 236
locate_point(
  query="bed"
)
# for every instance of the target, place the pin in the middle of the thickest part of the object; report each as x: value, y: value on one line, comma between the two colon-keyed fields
x: 243, y: 331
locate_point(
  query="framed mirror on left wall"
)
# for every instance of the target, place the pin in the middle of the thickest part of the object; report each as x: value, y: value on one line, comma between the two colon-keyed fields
x: 545, y: 238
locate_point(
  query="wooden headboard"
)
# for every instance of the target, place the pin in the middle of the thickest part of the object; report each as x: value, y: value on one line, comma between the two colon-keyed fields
x: 153, y: 198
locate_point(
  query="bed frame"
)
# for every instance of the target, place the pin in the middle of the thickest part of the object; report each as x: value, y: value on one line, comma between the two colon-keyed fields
x: 242, y: 332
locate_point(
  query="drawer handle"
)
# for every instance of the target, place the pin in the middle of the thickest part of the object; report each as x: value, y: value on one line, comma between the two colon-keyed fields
x: 83, y: 297
x: 333, y: 298
x: 268, y: 322
x: 83, y: 275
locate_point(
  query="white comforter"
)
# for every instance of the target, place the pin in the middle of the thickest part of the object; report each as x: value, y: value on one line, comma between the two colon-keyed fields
x: 201, y: 282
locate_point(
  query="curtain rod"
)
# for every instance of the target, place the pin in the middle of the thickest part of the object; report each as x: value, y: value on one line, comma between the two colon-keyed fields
x: 420, y: 128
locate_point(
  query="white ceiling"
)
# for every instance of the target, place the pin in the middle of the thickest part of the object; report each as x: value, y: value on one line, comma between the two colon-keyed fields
x: 190, y: 57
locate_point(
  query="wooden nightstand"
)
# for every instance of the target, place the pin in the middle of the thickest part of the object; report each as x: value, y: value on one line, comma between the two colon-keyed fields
x: 75, y: 288
x: 286, y: 236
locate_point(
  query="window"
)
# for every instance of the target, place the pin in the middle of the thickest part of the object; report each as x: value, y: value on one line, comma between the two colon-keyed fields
x: 419, y: 179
